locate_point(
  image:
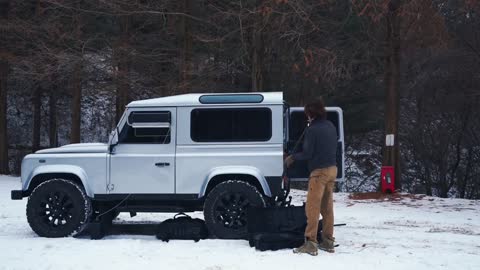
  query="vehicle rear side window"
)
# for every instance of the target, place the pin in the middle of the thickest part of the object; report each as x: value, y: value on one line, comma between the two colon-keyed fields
x: 298, y: 123
x: 158, y: 135
x: 231, y: 125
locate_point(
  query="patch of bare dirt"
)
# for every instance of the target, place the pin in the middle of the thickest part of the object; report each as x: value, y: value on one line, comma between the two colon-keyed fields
x: 384, y: 196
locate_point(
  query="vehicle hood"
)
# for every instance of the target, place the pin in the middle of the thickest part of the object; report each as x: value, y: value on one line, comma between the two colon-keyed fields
x: 77, y: 148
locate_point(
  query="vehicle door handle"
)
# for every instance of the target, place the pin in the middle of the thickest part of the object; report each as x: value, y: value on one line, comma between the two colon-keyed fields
x: 162, y: 164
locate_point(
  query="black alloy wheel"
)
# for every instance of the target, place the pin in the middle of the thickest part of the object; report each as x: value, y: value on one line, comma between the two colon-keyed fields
x: 226, y: 207
x: 58, y: 208
x: 231, y: 210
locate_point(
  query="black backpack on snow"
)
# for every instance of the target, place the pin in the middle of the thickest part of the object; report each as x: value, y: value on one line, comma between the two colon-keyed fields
x: 182, y: 227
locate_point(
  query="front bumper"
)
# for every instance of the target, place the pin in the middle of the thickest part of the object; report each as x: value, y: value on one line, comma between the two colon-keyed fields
x: 17, y: 194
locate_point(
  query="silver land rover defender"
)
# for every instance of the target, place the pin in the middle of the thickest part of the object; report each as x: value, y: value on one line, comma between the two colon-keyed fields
x: 220, y: 153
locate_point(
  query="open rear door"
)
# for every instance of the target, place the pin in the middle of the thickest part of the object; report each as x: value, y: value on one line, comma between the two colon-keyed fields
x: 297, y: 124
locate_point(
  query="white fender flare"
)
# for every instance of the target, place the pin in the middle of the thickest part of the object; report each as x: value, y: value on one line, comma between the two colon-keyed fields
x: 246, y: 170
x: 69, y: 169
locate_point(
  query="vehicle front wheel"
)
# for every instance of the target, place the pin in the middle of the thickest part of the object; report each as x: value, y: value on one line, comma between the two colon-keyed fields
x: 58, y: 208
x: 225, y: 208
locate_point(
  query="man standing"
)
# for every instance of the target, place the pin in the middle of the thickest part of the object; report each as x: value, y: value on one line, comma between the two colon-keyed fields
x: 320, y: 151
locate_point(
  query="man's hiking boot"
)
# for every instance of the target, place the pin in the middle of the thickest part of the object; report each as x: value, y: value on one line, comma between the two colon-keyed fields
x: 308, y: 248
x: 327, y: 245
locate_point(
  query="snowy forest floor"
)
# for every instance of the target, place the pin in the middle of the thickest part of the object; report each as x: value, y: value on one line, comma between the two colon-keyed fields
x: 402, y: 232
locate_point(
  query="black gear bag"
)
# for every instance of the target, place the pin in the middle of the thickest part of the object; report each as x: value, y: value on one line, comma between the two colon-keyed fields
x: 276, y: 219
x: 276, y: 241
x: 275, y: 228
x: 182, y: 227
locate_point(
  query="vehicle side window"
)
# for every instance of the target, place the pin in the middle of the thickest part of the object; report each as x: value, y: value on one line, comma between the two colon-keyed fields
x: 231, y: 125
x: 157, y: 135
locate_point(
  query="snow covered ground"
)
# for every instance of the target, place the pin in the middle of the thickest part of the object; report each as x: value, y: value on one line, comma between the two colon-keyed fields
x: 412, y: 233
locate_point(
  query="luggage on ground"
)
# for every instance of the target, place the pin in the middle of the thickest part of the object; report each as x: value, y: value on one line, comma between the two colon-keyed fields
x: 182, y: 227
x: 275, y: 228
x: 276, y: 241
x: 276, y: 219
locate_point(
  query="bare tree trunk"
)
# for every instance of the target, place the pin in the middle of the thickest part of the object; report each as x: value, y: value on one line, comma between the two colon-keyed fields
x: 473, y: 193
x: 443, y: 181
x: 122, y: 69
x: 76, y: 105
x: 186, y: 52
x: 257, y: 56
x: 257, y: 76
x: 4, y: 67
x: 391, y: 154
x: 123, y: 87
x: 37, y: 104
x: 428, y: 182
x: 468, y: 168
x: 52, y: 127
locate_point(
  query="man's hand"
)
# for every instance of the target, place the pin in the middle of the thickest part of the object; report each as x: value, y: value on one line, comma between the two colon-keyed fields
x: 289, y: 161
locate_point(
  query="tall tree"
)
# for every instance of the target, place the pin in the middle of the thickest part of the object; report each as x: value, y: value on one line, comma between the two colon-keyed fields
x: 52, y: 113
x: 37, y: 105
x: 76, y: 102
x: 77, y: 76
x: 122, y: 65
x: 4, y: 70
x: 185, y: 37
x: 4, y: 67
x: 257, y: 47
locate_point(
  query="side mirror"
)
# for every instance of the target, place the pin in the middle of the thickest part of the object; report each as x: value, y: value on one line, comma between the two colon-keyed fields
x: 113, y: 141
x: 110, y: 137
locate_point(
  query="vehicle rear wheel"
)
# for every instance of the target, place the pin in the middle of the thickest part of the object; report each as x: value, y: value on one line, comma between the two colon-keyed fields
x: 225, y: 208
x: 58, y: 208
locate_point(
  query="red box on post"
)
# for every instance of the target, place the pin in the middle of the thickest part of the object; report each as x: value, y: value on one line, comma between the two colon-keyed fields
x: 388, y: 179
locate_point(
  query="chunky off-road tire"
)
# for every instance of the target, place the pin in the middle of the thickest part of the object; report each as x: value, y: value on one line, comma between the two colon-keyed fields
x: 226, y: 206
x: 58, y: 208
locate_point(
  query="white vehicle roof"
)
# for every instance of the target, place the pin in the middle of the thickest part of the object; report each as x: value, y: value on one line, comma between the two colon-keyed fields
x: 194, y: 99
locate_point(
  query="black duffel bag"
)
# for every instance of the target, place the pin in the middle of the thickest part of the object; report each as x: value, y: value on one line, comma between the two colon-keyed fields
x: 276, y: 241
x: 275, y: 228
x: 276, y: 219
x: 182, y: 227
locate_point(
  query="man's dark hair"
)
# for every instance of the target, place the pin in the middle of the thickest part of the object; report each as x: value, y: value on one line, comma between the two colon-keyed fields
x: 316, y: 109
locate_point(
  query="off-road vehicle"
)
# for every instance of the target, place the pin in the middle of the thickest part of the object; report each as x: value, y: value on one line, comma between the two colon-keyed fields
x: 219, y: 153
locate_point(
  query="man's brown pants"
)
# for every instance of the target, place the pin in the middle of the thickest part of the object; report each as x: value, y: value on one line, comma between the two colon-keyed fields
x: 320, y: 201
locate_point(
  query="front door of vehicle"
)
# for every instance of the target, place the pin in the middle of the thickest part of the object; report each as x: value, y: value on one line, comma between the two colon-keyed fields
x: 297, y: 124
x: 143, y: 161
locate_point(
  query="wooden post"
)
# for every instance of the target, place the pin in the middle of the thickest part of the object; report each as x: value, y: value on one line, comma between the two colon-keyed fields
x: 391, y: 154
